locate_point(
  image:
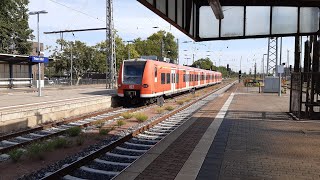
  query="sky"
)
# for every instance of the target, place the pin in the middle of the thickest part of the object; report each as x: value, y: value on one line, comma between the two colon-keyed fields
x: 132, y: 20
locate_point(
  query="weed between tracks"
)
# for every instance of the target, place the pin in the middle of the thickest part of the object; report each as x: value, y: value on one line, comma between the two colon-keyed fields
x: 16, y: 154
x: 74, y: 131
x: 120, y: 123
x: 180, y: 102
x: 169, y: 108
x: 127, y: 115
x: 141, y: 117
x: 159, y: 110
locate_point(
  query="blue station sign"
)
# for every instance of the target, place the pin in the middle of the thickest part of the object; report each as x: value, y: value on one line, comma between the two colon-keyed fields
x: 38, y: 59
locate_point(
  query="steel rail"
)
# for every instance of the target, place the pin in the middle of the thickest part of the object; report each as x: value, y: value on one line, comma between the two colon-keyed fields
x: 90, y: 157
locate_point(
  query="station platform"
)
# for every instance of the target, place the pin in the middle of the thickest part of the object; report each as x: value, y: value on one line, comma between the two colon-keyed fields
x: 21, y: 108
x: 242, y: 134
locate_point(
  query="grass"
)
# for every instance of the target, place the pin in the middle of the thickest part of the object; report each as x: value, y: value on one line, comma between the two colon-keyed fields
x: 187, y: 100
x: 169, y: 108
x: 74, y: 131
x: 36, y: 151
x: 120, y: 123
x: 99, y: 123
x: 104, y: 131
x: 196, y: 95
x: 141, y: 117
x: 16, y: 154
x: 159, y: 110
x: 80, y: 140
x: 60, y: 143
x: 127, y: 115
x: 180, y: 102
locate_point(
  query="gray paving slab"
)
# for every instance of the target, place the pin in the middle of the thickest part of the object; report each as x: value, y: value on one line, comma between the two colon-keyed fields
x: 259, y: 140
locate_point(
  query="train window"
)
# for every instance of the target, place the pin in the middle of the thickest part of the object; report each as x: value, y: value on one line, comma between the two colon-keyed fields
x: 155, y: 72
x: 133, y: 72
x: 184, y: 77
x: 168, y: 78
x: 177, y: 80
x: 163, y: 78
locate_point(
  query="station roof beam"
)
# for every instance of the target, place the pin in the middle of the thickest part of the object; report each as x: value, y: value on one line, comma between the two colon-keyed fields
x: 204, y: 20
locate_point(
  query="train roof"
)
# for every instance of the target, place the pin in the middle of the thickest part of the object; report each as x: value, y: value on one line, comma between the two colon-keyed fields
x: 170, y: 64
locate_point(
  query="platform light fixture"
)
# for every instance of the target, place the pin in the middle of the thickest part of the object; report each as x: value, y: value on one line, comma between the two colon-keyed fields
x: 39, y: 66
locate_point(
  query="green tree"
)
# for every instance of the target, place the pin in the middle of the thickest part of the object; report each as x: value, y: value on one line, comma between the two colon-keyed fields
x: 84, y: 58
x: 203, y: 63
x: 14, y: 27
x: 121, y: 54
x: 154, y: 43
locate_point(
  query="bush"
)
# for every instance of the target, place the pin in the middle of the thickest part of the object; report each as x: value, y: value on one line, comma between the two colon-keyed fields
x: 127, y: 115
x: 120, y: 123
x: 169, y: 108
x: 16, y: 154
x: 74, y: 131
x: 180, y: 102
x: 159, y: 110
x: 141, y: 117
x: 104, y: 131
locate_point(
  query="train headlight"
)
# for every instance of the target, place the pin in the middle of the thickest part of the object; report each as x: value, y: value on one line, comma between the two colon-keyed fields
x: 145, y: 85
x: 119, y: 85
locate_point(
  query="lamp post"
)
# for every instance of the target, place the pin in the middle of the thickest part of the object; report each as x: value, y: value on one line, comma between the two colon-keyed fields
x: 39, y: 66
x: 263, y: 75
x: 129, y: 47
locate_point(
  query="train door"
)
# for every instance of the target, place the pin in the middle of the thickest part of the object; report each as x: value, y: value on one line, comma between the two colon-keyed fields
x: 204, y: 78
x: 187, y: 79
x: 199, y: 78
x: 155, y: 74
x: 173, y: 80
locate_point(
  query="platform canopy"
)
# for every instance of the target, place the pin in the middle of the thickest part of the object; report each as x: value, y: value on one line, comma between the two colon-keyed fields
x: 204, y: 20
x: 17, y: 59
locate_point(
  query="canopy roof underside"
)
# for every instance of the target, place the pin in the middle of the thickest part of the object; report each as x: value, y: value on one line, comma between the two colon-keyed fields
x: 204, y: 20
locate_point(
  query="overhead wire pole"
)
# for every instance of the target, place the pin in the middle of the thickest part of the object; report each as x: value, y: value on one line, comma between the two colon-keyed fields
x: 110, y: 50
x: 71, y: 31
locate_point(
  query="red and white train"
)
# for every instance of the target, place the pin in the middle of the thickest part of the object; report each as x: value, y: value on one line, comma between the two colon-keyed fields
x: 142, y: 79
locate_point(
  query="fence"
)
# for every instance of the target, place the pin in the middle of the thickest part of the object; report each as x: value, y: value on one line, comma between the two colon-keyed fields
x: 304, y: 95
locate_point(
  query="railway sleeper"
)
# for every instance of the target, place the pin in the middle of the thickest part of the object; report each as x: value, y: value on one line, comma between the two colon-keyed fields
x: 138, y: 145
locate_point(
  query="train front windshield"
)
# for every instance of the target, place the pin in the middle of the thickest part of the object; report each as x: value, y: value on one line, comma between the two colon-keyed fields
x: 133, y: 72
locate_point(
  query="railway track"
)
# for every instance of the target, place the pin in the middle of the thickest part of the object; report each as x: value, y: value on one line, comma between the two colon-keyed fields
x: 24, y: 138
x: 21, y: 139
x: 109, y: 160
